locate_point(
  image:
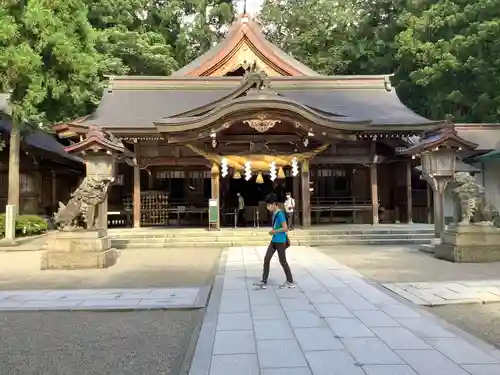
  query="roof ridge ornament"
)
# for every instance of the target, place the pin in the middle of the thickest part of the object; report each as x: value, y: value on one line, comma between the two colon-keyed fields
x: 257, y: 77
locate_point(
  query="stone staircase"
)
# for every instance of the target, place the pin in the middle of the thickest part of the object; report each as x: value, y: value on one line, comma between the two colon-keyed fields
x: 147, y: 238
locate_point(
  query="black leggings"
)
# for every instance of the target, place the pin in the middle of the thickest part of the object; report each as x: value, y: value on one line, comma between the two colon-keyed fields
x: 281, y: 249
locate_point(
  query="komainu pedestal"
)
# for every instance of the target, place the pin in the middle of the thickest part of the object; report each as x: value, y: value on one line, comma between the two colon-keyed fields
x: 79, y: 249
x: 470, y: 244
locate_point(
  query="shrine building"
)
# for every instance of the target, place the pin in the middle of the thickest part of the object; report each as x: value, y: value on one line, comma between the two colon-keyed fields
x: 247, y: 118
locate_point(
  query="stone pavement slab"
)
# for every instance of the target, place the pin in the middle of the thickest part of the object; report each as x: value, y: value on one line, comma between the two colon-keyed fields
x: 333, y: 323
x: 446, y: 293
x: 104, y: 299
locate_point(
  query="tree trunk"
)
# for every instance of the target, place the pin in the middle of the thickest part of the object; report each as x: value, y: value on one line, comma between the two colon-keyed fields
x: 14, y: 146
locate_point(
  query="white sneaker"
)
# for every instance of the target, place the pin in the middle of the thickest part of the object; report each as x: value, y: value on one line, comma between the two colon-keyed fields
x: 260, y: 284
x: 287, y: 284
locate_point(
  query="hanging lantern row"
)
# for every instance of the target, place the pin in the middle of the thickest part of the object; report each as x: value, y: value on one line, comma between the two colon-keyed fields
x: 274, y: 172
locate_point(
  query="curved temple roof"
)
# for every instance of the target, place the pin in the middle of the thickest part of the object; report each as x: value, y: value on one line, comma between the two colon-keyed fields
x: 136, y: 103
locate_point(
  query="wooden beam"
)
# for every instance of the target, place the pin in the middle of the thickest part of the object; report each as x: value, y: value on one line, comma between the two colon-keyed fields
x: 172, y: 162
x: 409, y: 192
x: 325, y: 159
x: 137, y: 190
x: 374, y: 185
x: 306, y: 194
x: 269, y: 138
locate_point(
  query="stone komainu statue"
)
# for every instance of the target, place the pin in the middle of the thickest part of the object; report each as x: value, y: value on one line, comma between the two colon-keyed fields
x: 84, y: 202
x: 470, y: 200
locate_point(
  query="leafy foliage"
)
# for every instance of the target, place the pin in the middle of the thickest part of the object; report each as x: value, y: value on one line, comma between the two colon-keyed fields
x: 48, y: 60
x: 26, y: 225
x: 449, y: 58
x: 445, y: 53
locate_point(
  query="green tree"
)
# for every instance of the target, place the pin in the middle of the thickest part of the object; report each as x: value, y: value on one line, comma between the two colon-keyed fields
x: 316, y: 32
x: 49, y: 65
x: 157, y: 37
x: 448, y: 59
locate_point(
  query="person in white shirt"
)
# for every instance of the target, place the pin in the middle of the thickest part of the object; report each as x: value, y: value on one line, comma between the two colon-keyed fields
x: 290, y: 209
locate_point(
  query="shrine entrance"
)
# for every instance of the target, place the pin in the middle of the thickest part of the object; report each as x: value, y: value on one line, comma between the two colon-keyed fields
x: 254, y: 192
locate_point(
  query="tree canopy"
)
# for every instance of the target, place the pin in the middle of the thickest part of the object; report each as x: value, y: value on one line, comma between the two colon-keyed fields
x: 444, y: 53
x: 48, y: 60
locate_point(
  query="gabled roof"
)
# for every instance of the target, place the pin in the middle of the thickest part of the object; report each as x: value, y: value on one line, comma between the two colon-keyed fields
x: 445, y: 136
x: 245, y: 43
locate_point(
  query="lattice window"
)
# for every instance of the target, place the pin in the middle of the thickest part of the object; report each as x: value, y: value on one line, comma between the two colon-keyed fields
x: 26, y: 184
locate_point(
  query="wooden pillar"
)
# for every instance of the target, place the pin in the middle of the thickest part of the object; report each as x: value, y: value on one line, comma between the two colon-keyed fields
x: 53, y: 191
x: 409, y: 193
x: 215, y: 188
x: 374, y: 185
x: 306, y: 194
x: 137, y: 189
x: 429, y: 204
x: 296, y: 197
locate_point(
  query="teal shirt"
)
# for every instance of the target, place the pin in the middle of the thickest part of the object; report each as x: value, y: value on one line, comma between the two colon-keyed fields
x: 278, y: 220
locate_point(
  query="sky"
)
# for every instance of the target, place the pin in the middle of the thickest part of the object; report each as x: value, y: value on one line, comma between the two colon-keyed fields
x: 253, y: 6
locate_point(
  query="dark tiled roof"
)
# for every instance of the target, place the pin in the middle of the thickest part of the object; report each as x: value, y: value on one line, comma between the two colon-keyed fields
x: 381, y: 106
x: 139, y: 108
x: 39, y: 139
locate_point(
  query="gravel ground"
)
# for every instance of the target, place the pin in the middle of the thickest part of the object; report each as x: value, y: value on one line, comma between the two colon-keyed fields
x: 407, y: 264
x: 97, y: 343
x: 93, y: 343
x: 135, y: 269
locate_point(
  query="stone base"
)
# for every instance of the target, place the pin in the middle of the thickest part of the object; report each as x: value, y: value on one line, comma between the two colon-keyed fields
x: 63, y: 260
x: 470, y: 244
x: 79, y: 250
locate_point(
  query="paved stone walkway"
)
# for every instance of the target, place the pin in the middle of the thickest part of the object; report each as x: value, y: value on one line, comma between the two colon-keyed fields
x: 333, y: 323
x: 446, y: 293
x: 104, y: 299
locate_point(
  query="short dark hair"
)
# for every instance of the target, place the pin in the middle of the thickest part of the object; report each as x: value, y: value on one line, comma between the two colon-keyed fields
x: 271, y: 198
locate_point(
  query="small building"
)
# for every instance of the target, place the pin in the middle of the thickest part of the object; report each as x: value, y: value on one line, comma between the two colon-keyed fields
x: 247, y: 118
x: 48, y: 174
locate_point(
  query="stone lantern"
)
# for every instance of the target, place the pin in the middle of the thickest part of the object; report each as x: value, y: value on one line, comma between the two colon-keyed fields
x: 82, y: 240
x: 438, y: 151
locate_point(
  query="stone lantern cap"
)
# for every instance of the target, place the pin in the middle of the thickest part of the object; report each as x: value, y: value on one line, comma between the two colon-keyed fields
x: 441, y: 137
x: 97, y: 140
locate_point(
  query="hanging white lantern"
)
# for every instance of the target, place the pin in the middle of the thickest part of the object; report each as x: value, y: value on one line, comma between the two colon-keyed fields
x: 273, y: 170
x: 224, y: 170
x: 295, y: 167
x: 248, y: 170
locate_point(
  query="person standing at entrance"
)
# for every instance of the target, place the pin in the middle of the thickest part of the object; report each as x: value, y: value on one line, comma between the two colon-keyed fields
x: 241, y: 211
x: 290, y: 209
x: 279, y: 244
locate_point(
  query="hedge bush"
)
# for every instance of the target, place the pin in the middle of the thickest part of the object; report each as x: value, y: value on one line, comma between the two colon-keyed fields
x: 26, y: 225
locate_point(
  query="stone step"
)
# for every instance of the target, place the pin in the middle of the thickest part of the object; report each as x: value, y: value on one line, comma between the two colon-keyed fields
x: 240, y: 242
x: 293, y: 236
x: 238, y: 234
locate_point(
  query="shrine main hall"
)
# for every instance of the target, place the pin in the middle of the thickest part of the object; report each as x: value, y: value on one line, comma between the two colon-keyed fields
x: 247, y: 118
